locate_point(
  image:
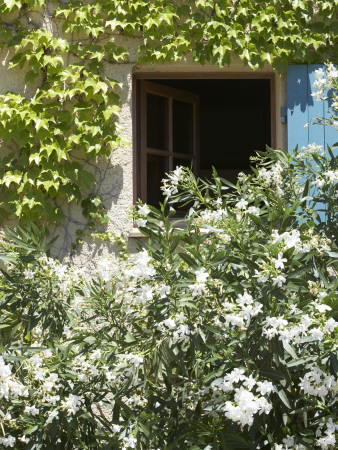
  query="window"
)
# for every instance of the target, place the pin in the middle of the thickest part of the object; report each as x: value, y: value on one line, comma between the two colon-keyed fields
x: 199, y: 123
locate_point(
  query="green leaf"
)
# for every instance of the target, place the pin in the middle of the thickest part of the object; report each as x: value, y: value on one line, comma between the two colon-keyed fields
x: 31, y: 430
x: 283, y: 397
x: 233, y: 441
x: 290, y: 350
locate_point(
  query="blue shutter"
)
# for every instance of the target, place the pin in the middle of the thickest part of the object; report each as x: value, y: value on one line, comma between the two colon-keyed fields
x: 301, y: 108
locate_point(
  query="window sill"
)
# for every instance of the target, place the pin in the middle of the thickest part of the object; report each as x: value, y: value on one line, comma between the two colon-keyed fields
x: 136, y: 233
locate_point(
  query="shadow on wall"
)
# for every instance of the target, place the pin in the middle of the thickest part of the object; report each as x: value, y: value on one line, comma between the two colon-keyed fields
x: 109, y: 186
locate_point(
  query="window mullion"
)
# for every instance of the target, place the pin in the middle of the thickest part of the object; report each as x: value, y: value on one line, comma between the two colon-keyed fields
x: 143, y: 153
x: 170, y: 132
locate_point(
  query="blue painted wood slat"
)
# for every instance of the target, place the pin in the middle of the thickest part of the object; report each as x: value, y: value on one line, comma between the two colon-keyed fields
x: 301, y: 108
x: 297, y: 106
x: 315, y: 109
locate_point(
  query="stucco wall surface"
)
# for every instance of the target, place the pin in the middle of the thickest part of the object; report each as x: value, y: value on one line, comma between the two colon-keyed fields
x: 115, y: 175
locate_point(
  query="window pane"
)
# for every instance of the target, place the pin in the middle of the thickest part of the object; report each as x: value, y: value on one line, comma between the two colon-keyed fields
x: 157, y: 167
x: 182, y: 162
x: 182, y: 127
x: 235, y: 121
x: 157, y: 122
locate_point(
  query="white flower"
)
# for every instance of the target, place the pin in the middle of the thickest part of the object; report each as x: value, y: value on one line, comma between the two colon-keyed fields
x: 279, y: 262
x: 291, y: 239
x: 264, y: 387
x: 145, y: 294
x: 67, y: 332
x: 96, y: 354
x: 279, y: 280
x: 53, y: 414
x: 245, y: 299
x: 32, y: 410
x: 39, y: 374
x: 36, y: 360
x: 242, y: 204
x: 289, y: 441
x: 9, y: 441
x: 164, y: 290
x: 261, y: 278
x: 318, y: 95
x: 141, y: 222
x: 116, y: 428
x: 317, y: 333
x: 29, y: 274
x: 332, y: 176
x: 322, y: 307
x: 169, y: 323
x: 330, y: 325
x: 72, y: 403
x: 130, y: 441
x: 332, y: 71
x: 5, y: 369
x: 201, y: 275
x: 47, y: 353
x: 197, y: 289
x: 254, y: 210
x: 143, y: 210
x: 136, y: 360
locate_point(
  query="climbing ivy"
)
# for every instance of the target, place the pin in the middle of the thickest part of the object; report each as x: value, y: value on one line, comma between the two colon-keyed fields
x: 63, y: 47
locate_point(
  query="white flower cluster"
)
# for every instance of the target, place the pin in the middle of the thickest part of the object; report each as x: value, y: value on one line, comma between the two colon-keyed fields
x: 272, y: 178
x: 246, y: 403
x: 170, y: 184
x: 317, y: 383
x: 328, y: 441
x: 143, y: 210
x: 329, y: 177
x: 72, y: 404
x: 9, y: 387
x: 142, y: 269
x: 8, y: 441
x: 324, y: 81
x: 289, y: 444
x: 241, y: 207
x: 105, y: 269
x: 86, y: 366
x: 309, y: 151
x: 129, y: 442
x: 293, y: 238
x: 199, y: 288
x: 241, y: 311
x: 208, y: 216
x: 279, y: 326
x: 271, y: 270
x: 175, y: 328
x: 67, y: 275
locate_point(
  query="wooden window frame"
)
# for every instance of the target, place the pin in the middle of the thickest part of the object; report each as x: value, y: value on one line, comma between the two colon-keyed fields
x: 148, y: 87
x: 139, y: 154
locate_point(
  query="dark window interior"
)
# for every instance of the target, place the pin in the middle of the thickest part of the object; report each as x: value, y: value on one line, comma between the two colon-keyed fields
x: 232, y: 121
x: 235, y: 120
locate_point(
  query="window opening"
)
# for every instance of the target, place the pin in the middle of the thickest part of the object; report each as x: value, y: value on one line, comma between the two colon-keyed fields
x: 200, y: 123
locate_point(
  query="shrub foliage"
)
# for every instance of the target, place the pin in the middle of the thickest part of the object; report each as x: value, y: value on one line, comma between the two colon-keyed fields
x: 221, y: 335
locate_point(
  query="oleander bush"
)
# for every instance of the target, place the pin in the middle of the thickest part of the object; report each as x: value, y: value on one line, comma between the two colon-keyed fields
x: 218, y: 335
